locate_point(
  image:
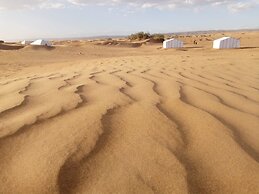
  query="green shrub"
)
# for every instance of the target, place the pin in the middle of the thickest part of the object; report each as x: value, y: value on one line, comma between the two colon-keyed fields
x: 157, y: 37
x: 139, y: 36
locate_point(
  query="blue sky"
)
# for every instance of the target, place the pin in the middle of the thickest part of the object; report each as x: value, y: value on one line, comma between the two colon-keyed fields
x: 25, y: 19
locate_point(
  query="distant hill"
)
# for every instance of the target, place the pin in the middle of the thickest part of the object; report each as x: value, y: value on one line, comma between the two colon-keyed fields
x: 123, y: 36
x: 169, y: 33
x: 211, y: 31
x: 89, y: 38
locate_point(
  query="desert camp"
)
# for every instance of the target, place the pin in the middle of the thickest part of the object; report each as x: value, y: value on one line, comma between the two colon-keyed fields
x: 226, y: 43
x: 129, y: 97
x: 26, y: 42
x: 172, y: 43
x: 40, y: 42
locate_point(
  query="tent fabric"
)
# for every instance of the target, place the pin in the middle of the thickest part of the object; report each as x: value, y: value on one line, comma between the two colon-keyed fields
x: 26, y: 42
x: 172, y: 43
x: 41, y: 42
x: 226, y: 43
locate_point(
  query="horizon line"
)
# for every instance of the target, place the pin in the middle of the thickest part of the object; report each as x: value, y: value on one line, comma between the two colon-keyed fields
x: 122, y: 36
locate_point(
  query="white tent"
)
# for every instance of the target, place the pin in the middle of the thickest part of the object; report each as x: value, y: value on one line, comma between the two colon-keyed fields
x: 41, y: 42
x: 226, y: 43
x: 26, y: 42
x: 172, y: 43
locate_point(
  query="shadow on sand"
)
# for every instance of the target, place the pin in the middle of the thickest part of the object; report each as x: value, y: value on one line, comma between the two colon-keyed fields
x: 249, y: 47
x: 10, y: 47
x: 49, y: 48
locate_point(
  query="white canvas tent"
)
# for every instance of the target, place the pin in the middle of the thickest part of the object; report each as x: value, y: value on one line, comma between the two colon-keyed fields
x: 226, y: 43
x: 26, y: 42
x: 41, y: 42
x: 172, y: 43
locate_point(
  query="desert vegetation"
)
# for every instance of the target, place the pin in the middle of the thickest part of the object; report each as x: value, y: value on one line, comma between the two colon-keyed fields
x: 146, y: 35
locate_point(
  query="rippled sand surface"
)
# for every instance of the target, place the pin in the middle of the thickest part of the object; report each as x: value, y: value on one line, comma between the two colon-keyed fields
x: 167, y: 122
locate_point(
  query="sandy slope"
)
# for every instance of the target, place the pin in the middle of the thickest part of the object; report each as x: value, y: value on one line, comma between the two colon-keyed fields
x: 163, y: 122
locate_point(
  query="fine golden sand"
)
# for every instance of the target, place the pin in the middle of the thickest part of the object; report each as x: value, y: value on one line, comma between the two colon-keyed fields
x: 87, y: 118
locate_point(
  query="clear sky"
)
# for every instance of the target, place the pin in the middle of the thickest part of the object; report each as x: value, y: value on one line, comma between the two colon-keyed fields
x: 25, y: 19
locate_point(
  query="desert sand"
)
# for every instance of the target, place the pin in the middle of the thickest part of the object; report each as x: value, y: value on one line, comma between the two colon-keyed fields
x: 84, y: 117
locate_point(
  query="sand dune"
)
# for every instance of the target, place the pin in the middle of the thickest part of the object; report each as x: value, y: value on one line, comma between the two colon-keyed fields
x: 168, y: 122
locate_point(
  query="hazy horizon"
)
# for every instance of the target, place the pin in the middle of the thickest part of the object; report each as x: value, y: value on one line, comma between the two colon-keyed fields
x: 125, y: 35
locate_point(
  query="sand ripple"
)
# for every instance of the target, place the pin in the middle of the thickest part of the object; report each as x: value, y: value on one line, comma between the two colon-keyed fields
x: 129, y: 125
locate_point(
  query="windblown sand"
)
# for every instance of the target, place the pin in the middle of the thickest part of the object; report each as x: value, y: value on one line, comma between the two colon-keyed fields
x: 129, y: 120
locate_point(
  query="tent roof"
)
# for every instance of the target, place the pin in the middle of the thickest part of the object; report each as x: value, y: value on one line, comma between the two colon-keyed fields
x: 39, y: 40
x: 172, y: 39
x: 224, y: 38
